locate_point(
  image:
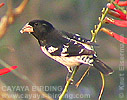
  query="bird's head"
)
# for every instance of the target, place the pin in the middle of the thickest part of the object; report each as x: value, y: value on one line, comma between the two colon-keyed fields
x: 38, y: 28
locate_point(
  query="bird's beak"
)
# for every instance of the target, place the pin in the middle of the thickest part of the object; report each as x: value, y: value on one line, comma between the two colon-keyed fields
x: 27, y: 29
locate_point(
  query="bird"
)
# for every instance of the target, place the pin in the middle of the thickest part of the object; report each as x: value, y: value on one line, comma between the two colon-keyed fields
x: 66, y: 48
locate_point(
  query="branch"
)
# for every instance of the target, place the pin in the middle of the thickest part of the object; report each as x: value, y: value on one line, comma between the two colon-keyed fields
x: 97, y: 27
x: 10, y: 16
x: 78, y: 83
x: 94, y: 33
x: 21, y: 7
x: 68, y: 83
x: 103, y: 85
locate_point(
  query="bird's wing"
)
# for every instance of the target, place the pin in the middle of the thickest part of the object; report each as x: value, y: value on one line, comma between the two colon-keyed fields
x: 68, y: 45
x: 78, y: 38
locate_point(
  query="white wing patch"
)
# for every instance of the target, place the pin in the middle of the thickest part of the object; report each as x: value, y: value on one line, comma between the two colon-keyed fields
x: 64, y: 50
x: 76, y: 42
x: 81, y: 51
x: 52, y: 49
x: 77, y: 34
x: 79, y: 38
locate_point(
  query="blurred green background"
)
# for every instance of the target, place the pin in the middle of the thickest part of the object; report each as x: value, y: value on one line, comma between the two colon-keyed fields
x: 77, y: 16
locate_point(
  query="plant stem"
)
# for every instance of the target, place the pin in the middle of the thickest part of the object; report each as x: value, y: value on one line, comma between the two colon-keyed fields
x: 68, y: 83
x: 78, y: 83
x: 95, y: 32
x: 103, y: 85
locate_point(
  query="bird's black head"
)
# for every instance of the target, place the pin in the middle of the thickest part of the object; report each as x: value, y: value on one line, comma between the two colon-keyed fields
x: 38, y: 28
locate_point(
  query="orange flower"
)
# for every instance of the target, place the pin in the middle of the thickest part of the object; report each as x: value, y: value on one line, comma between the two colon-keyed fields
x: 7, y: 70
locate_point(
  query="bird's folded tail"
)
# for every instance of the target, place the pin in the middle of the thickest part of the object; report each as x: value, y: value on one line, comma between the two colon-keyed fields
x: 102, y: 67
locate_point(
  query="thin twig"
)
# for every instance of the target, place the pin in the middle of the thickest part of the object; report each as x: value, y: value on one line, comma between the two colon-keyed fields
x: 68, y: 83
x: 97, y: 29
x: 10, y: 16
x: 78, y: 83
x: 20, y: 8
x: 103, y: 85
x: 94, y: 33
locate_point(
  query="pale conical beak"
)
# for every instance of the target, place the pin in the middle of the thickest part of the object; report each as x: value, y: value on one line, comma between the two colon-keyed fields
x: 27, y: 29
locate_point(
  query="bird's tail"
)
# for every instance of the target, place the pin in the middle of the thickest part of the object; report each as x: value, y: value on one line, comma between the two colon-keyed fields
x: 102, y: 67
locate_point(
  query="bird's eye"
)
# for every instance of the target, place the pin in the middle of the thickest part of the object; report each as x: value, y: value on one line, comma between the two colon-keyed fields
x: 35, y: 24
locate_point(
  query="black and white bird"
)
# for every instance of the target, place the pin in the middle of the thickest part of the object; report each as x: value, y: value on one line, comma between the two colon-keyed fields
x: 66, y: 48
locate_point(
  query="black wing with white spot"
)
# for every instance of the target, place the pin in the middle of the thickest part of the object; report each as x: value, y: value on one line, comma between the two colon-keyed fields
x: 77, y: 38
x: 69, y: 45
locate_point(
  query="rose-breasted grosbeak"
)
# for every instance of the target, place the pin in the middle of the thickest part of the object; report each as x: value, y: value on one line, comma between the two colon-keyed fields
x: 66, y: 48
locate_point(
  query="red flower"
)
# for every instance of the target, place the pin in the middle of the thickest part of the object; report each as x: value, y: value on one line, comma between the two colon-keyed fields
x: 7, y: 70
x: 116, y: 1
x: 114, y: 35
x: 120, y: 15
x: 116, y: 22
x: 2, y: 4
x: 111, y: 6
x: 122, y: 3
x: 120, y: 38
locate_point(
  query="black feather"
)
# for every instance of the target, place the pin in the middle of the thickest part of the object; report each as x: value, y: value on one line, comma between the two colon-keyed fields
x: 98, y: 64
